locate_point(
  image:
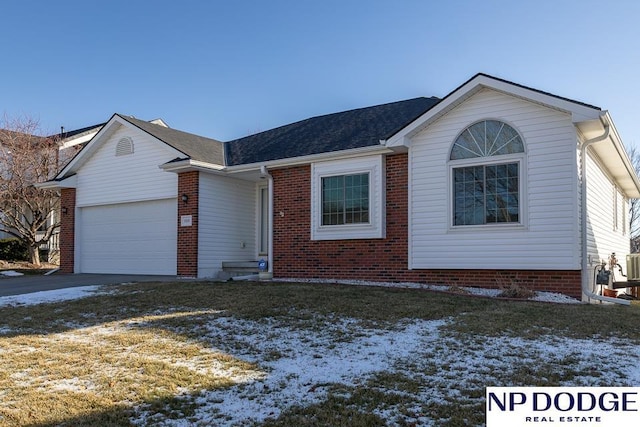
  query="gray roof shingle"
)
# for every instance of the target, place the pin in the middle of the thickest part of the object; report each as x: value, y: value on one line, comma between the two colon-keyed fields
x: 358, y: 128
x: 193, y: 146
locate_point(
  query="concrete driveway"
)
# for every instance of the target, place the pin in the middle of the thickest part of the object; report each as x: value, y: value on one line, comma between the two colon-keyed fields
x: 28, y: 284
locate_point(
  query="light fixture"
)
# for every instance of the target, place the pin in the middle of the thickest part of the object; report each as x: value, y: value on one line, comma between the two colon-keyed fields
x: 64, y: 210
x: 185, y: 198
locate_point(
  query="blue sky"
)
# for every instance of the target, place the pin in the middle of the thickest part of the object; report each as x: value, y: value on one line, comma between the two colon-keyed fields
x: 226, y: 69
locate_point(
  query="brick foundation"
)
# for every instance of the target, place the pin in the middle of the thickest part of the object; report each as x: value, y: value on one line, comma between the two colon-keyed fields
x: 188, y: 183
x: 295, y: 255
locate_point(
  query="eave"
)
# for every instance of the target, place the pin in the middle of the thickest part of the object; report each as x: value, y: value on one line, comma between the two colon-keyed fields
x: 579, y: 111
x: 320, y: 157
x: 612, y: 154
x: 189, y: 165
x: 56, y: 184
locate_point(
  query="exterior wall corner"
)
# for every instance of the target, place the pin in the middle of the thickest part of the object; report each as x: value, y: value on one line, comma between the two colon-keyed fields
x: 188, y: 207
x: 67, y: 230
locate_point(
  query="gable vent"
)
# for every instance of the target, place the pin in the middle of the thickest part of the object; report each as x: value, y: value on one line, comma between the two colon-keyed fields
x: 124, y: 147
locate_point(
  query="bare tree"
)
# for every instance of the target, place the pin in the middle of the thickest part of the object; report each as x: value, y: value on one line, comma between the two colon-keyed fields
x: 634, y: 205
x: 26, y: 212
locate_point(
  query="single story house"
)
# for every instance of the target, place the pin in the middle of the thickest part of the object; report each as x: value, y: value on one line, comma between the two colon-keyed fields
x: 494, y: 184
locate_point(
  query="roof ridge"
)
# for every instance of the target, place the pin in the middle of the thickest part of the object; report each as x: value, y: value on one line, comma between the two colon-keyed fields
x: 194, y: 146
x: 164, y: 128
x: 528, y: 88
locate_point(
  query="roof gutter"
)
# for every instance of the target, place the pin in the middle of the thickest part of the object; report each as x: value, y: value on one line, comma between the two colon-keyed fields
x: 583, y: 211
x: 311, y: 158
x: 622, y: 153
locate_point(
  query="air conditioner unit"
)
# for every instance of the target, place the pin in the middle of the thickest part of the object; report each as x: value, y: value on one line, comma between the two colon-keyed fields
x: 633, y: 267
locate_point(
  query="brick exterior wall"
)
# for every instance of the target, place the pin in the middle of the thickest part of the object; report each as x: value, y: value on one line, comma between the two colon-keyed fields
x: 296, y: 256
x: 188, y: 184
x: 67, y: 229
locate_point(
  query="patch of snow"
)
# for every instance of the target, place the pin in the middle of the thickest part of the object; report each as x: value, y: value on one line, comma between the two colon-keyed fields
x: 71, y: 384
x: 49, y: 296
x: 11, y: 273
x: 308, y: 361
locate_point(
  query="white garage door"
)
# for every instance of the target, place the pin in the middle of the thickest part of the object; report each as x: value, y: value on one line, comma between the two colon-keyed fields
x: 129, y: 238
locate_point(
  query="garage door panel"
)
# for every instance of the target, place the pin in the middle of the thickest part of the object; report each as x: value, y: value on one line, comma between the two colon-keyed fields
x: 130, y: 238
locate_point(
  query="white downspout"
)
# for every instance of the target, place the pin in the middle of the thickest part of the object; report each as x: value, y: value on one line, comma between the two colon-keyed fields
x: 585, y: 250
x: 265, y: 172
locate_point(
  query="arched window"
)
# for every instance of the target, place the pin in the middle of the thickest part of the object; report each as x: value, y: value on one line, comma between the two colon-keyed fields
x: 486, y: 163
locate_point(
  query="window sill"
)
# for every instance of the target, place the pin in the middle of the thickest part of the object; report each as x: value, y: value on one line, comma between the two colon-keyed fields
x: 486, y: 228
x: 347, y: 232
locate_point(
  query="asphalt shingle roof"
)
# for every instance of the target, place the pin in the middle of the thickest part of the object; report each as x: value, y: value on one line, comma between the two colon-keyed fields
x: 193, y: 146
x: 332, y: 132
x: 71, y: 133
x: 358, y: 128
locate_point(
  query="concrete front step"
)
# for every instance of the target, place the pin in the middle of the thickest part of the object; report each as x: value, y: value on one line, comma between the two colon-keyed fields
x: 240, y: 266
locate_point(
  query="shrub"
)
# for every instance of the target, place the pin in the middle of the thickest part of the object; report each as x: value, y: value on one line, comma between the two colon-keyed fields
x: 455, y: 289
x: 13, y: 249
x: 517, y: 291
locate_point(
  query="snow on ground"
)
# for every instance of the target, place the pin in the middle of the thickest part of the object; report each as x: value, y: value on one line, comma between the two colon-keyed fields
x: 49, y: 296
x: 308, y: 361
x: 11, y: 273
x: 301, y: 363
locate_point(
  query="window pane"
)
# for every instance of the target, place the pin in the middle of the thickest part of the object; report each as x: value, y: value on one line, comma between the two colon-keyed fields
x: 478, y: 133
x: 485, y: 139
x: 485, y: 194
x: 345, y: 199
x: 494, y: 130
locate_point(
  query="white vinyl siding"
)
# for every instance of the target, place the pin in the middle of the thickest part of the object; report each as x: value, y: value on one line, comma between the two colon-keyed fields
x: 227, y: 222
x: 548, y: 234
x: 126, y: 207
x: 602, y: 216
x: 107, y: 178
x: 128, y: 238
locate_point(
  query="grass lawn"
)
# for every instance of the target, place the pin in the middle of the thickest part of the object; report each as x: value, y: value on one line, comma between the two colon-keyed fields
x: 177, y: 354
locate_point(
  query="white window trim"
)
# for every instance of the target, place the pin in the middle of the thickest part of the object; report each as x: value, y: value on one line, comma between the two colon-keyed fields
x: 375, y: 229
x: 519, y: 158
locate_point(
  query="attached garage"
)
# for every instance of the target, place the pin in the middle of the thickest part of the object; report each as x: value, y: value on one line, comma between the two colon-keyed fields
x: 128, y: 238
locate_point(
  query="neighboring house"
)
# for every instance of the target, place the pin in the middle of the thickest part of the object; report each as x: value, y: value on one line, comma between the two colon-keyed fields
x: 23, y: 138
x: 70, y: 143
x: 494, y: 184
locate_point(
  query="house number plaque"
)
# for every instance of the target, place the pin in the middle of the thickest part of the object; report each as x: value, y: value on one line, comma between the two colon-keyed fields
x: 186, y: 221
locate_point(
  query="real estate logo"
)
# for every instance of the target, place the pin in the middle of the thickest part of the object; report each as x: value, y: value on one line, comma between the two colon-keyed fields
x: 561, y: 406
